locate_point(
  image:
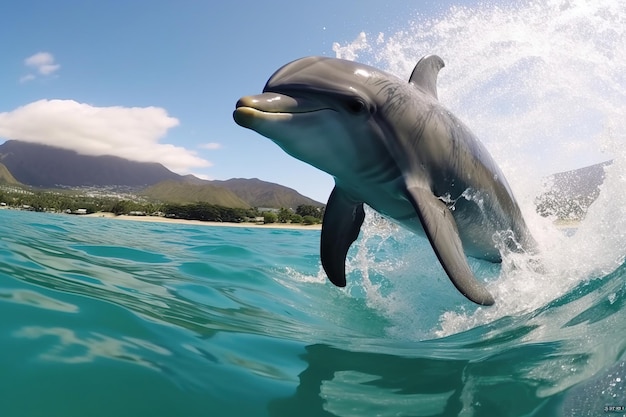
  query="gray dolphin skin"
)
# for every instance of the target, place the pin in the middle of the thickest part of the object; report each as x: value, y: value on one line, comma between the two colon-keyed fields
x: 391, y: 145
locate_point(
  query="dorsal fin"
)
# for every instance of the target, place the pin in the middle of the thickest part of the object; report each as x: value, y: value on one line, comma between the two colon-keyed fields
x: 425, y: 73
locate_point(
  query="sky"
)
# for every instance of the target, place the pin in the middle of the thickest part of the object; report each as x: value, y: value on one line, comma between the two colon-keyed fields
x: 158, y: 80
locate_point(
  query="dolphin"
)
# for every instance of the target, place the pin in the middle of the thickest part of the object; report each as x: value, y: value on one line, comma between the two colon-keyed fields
x: 391, y: 145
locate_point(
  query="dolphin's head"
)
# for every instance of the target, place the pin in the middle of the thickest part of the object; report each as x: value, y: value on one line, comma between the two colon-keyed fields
x: 319, y: 110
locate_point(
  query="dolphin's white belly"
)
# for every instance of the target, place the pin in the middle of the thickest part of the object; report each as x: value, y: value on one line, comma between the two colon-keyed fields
x: 388, y: 198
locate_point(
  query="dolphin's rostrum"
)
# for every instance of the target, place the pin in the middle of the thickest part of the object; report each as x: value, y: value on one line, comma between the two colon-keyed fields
x: 391, y: 145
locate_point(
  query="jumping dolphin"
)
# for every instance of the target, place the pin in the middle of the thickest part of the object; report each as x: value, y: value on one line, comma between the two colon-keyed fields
x: 391, y: 145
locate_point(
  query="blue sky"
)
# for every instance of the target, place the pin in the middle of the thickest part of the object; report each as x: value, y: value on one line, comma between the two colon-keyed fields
x: 158, y: 80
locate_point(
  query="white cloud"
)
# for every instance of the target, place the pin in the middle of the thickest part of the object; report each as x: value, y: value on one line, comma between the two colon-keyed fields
x: 40, y: 58
x: 211, y: 146
x: 48, y: 69
x: 203, y: 176
x: 42, y: 63
x: 26, y: 78
x: 127, y: 132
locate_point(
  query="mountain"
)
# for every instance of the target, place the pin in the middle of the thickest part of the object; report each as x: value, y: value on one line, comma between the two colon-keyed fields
x: 6, y: 177
x: 47, y: 166
x: 236, y: 192
x: 266, y: 194
x: 185, y: 192
x: 569, y: 194
x: 568, y: 197
x: 50, y: 167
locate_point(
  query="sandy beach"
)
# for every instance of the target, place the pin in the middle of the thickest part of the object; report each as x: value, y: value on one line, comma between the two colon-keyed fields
x: 567, y: 224
x: 157, y: 219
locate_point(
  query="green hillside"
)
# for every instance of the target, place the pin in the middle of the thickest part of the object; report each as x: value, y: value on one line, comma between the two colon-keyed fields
x: 260, y: 193
x: 185, y: 193
x: 6, y: 177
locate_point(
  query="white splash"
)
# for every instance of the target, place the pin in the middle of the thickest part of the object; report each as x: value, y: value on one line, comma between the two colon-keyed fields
x: 543, y: 85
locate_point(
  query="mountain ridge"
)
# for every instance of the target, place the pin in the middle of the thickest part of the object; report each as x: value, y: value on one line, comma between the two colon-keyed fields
x: 569, y: 194
x: 50, y: 167
x: 173, y: 191
x: 6, y: 177
x: 266, y: 194
x: 45, y: 166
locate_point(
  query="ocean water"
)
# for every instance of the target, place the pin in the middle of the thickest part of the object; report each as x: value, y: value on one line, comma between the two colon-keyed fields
x: 102, y: 317
x: 106, y: 317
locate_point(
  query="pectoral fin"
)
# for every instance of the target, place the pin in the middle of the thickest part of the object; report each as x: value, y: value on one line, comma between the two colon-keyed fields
x: 342, y: 222
x: 442, y: 232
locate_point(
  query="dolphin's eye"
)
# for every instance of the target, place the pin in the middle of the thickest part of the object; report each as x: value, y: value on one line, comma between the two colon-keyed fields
x: 355, y: 105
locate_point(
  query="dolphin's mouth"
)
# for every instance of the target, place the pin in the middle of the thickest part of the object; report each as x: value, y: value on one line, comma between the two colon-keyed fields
x: 279, y: 103
x: 272, y: 106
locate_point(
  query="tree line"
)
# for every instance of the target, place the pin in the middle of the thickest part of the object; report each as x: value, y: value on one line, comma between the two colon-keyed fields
x: 304, y: 214
x: 62, y: 202
x: 55, y: 201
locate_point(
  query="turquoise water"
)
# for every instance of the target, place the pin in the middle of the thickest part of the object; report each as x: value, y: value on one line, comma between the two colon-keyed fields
x: 103, y: 317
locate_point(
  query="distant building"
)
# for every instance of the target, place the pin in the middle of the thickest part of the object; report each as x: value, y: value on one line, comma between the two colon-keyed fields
x: 81, y: 211
x: 268, y: 209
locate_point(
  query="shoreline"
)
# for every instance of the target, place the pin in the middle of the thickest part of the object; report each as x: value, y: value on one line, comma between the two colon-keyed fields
x: 559, y: 224
x: 155, y: 219
x: 567, y: 224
